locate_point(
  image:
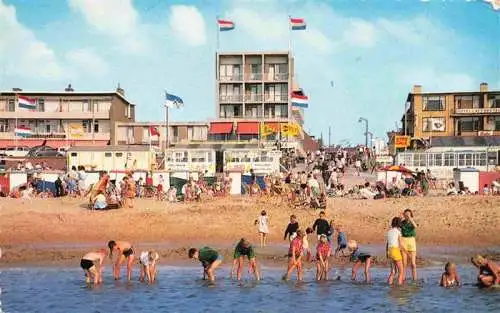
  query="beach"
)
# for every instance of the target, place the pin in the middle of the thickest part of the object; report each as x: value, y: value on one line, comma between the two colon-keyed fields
x: 59, y: 231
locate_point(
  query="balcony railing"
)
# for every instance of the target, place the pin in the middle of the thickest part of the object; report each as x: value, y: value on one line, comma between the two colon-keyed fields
x: 54, y: 115
x: 43, y: 135
x: 477, y: 111
x: 231, y: 78
x: 230, y: 98
x: 253, y: 98
x: 269, y: 76
x: 276, y: 98
x: 253, y: 76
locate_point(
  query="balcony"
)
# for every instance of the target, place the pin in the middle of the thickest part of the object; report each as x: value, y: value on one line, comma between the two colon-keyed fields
x: 276, y: 77
x: 62, y: 135
x: 230, y: 98
x: 253, y: 98
x: 479, y: 111
x: 28, y: 115
x: 276, y: 98
x: 231, y: 78
x: 253, y: 76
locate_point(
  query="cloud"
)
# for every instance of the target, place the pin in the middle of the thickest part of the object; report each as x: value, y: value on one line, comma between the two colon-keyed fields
x: 433, y: 80
x: 360, y: 33
x: 187, y: 24
x: 22, y: 54
x: 117, y: 19
x: 88, y: 61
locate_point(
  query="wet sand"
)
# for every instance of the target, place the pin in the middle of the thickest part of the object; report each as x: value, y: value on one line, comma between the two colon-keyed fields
x: 59, y: 231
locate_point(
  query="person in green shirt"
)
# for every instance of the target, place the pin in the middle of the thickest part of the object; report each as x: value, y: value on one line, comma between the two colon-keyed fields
x: 408, y: 232
x: 242, y: 249
x: 209, y: 258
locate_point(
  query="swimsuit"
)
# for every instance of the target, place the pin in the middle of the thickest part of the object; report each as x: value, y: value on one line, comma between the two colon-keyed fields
x: 86, y: 264
x: 240, y: 251
x: 357, y: 256
x: 128, y: 252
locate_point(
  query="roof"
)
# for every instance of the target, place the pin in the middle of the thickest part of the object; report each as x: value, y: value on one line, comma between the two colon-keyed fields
x: 162, y: 124
x: 254, y: 53
x: 68, y: 93
x: 216, y: 146
x: 466, y: 141
x: 122, y: 148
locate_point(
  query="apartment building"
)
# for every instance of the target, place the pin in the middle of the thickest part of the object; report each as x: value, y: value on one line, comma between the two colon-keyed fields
x: 251, y: 88
x: 444, y: 114
x: 145, y: 133
x: 63, y: 118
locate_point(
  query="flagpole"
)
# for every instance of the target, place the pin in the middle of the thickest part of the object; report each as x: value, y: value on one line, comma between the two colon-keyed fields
x: 289, y: 34
x: 217, y: 29
x: 15, y: 127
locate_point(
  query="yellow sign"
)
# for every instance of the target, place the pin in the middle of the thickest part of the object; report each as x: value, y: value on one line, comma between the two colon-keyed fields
x: 402, y: 141
x: 76, y: 130
x: 291, y: 129
x: 266, y: 130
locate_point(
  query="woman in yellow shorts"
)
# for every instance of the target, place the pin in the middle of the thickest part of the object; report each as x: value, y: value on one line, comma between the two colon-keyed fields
x: 408, y: 231
x: 394, y: 251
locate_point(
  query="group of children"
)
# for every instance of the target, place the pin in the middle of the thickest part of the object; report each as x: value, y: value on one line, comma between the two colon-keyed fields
x: 92, y: 262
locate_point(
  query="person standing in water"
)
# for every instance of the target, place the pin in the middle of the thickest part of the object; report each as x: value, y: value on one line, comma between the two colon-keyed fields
x: 408, y: 232
x: 242, y: 249
x: 209, y: 258
x: 323, y: 252
x: 126, y: 252
x: 148, y: 260
x: 295, y: 256
x: 394, y: 250
x: 91, y: 263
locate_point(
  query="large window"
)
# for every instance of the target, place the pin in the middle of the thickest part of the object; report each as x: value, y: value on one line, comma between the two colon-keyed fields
x: 12, y: 105
x: 470, y: 124
x: 40, y: 105
x: 449, y: 159
x: 467, y: 102
x: 494, y: 101
x: 420, y: 160
x: 434, y: 124
x: 433, y: 103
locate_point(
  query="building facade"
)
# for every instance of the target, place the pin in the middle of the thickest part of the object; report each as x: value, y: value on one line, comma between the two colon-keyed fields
x: 146, y: 133
x: 444, y: 114
x: 63, y: 118
x: 251, y: 89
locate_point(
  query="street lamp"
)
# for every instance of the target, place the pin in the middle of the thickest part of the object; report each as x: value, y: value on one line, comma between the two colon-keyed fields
x: 362, y: 119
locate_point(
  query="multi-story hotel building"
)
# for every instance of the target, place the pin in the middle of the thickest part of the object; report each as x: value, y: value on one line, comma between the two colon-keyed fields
x: 63, y: 118
x: 252, y: 88
x: 443, y: 114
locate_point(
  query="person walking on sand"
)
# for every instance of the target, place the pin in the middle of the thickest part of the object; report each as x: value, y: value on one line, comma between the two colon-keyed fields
x: 321, y: 225
x: 242, y: 249
x: 295, y: 256
x: 148, y: 261
x: 262, y: 223
x: 291, y: 229
x: 91, y: 263
x: 394, y: 250
x: 210, y: 259
x: 408, y: 232
x: 126, y: 253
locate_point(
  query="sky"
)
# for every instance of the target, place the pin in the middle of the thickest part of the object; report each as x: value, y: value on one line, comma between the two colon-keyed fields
x: 357, y: 58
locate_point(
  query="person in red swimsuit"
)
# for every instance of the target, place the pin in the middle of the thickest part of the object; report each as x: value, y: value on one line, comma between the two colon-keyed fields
x: 295, y: 256
x: 323, y: 252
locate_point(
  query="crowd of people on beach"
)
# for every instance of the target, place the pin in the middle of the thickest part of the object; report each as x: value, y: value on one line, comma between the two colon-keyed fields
x: 401, y: 253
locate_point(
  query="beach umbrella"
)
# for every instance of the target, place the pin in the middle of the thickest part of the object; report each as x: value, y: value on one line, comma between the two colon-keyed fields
x: 396, y: 168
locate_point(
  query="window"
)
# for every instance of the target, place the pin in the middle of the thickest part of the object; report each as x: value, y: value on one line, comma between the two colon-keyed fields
x: 467, y: 102
x: 12, y: 105
x: 434, y: 124
x: 497, y: 122
x: 494, y: 101
x: 118, y: 154
x: 108, y: 154
x: 449, y: 159
x: 85, y: 106
x: 480, y: 159
x: 73, y: 154
x: 40, y: 105
x: 181, y: 156
x: 198, y: 156
x: 255, y: 71
x: 433, y: 103
x: 96, y: 126
x: 420, y: 160
x: 470, y: 124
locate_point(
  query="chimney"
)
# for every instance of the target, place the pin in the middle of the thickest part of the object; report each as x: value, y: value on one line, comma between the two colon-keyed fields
x: 17, y: 89
x: 417, y: 89
x: 69, y: 88
x: 120, y: 90
x: 483, y: 87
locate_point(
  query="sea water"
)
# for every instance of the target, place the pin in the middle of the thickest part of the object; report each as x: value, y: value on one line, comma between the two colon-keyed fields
x: 180, y: 289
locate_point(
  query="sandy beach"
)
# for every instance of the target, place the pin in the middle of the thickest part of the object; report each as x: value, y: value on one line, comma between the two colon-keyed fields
x: 60, y: 230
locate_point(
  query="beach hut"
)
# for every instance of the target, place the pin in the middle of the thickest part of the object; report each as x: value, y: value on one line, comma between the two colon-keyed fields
x: 109, y: 158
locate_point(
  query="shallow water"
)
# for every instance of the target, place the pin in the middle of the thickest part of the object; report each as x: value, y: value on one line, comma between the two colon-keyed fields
x: 179, y: 289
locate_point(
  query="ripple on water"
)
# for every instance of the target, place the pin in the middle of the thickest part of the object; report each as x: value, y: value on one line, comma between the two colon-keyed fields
x: 180, y: 290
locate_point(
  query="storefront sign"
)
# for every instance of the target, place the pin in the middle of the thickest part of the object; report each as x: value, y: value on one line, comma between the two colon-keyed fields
x: 402, y: 141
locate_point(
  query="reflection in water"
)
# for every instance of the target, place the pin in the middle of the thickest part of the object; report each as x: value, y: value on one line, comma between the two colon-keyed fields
x: 180, y: 290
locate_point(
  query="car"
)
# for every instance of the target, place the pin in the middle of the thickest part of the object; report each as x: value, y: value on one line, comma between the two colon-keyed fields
x: 43, y: 151
x: 18, y: 151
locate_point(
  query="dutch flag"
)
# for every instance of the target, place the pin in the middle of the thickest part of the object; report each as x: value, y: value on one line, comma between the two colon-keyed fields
x: 26, y: 103
x: 297, y: 23
x: 299, y: 101
x: 225, y: 25
x: 22, y: 131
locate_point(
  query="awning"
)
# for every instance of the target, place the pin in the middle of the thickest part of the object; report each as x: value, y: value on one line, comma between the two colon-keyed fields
x: 248, y: 128
x: 221, y: 128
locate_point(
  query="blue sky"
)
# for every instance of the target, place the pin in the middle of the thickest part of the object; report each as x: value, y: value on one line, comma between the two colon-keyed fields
x: 372, y: 51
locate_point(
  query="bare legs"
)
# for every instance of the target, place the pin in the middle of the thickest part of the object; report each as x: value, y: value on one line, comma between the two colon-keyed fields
x: 263, y: 239
x: 396, y: 268
x: 410, y: 257
x: 118, y: 264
